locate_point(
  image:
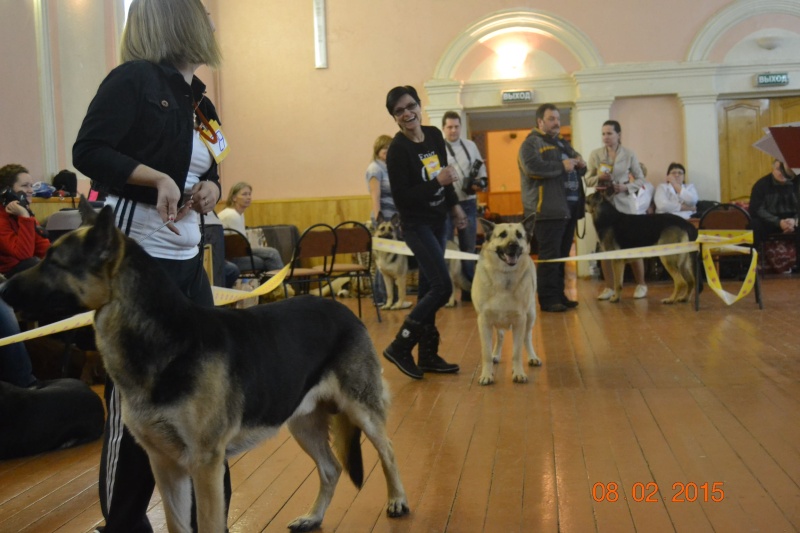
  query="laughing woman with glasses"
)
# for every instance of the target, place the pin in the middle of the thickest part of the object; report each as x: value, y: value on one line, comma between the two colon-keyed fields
x: 422, y: 188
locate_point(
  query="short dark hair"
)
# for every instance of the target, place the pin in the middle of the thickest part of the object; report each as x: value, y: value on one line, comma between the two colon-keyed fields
x: 451, y: 114
x: 542, y: 109
x: 397, y: 93
x: 614, y: 124
x: 674, y: 165
x: 9, y: 173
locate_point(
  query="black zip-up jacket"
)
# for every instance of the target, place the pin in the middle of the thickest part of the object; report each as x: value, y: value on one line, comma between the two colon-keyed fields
x: 142, y: 114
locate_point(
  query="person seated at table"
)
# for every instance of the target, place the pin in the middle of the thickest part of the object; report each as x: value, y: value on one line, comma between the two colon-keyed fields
x: 22, y: 241
x: 675, y: 196
x: 232, y: 217
x: 774, y: 205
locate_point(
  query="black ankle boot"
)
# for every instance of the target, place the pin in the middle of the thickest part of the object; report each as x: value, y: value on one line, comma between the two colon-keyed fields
x: 399, y: 352
x: 429, y: 359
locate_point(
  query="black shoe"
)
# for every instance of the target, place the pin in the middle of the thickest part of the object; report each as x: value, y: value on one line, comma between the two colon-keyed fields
x: 436, y: 364
x: 553, y: 308
x: 569, y: 304
x: 404, y: 361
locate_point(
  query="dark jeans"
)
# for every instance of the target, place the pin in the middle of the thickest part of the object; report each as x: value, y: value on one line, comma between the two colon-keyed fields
x: 427, y: 241
x: 126, y: 479
x: 467, y: 236
x: 554, y: 238
x: 15, y: 364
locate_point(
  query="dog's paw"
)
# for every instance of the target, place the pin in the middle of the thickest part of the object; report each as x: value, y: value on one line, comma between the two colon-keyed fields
x: 386, y: 307
x: 486, y: 379
x: 451, y: 303
x: 614, y: 299
x: 519, y: 377
x: 668, y: 301
x: 397, y: 507
x: 305, y: 523
x: 534, y: 361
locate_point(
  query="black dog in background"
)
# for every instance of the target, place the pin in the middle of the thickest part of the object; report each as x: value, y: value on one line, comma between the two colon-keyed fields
x: 59, y: 414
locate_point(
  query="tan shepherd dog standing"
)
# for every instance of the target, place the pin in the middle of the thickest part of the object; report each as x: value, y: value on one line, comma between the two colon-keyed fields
x: 504, y: 296
x: 199, y: 385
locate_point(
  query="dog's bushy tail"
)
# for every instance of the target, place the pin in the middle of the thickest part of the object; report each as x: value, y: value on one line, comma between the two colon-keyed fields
x: 347, y: 446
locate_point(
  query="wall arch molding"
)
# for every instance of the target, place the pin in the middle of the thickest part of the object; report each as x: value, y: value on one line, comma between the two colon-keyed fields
x: 561, y: 30
x: 732, y: 15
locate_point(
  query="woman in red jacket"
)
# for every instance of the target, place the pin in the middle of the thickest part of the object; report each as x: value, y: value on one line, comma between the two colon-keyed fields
x: 21, y: 243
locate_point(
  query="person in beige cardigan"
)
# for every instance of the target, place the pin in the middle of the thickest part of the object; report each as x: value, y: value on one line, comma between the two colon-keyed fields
x: 610, y: 168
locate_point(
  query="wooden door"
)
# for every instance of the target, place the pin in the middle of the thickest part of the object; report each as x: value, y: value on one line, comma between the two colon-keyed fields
x: 741, y: 123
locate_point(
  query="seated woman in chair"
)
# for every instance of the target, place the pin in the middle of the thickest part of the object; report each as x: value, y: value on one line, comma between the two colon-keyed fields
x: 232, y: 217
x: 22, y: 243
x: 676, y: 196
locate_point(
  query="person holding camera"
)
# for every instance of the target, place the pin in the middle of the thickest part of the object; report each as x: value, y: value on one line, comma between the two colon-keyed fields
x: 22, y: 241
x: 468, y: 163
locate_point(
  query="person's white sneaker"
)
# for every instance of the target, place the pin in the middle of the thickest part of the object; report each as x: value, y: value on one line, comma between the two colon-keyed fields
x: 607, y: 294
x: 640, y: 292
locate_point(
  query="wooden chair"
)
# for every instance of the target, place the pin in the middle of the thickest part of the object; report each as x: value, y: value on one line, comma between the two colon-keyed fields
x: 354, y: 238
x: 237, y: 246
x: 317, y: 243
x: 724, y: 217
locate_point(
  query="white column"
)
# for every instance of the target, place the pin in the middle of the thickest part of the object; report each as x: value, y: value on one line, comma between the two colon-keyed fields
x: 443, y: 96
x: 701, y: 134
x: 46, y: 96
x: 587, y: 123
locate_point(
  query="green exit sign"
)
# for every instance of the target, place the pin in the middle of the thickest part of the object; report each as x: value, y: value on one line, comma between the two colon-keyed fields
x: 772, y: 79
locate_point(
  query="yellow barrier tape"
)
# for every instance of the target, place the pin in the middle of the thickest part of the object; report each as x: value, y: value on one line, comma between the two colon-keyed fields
x: 401, y: 248
x: 707, y: 240
x: 222, y: 296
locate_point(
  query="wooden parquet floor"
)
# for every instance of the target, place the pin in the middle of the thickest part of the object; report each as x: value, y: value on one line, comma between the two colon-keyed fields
x: 644, y: 417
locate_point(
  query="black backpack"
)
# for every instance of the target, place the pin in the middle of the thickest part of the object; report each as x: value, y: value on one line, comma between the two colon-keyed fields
x: 66, y: 181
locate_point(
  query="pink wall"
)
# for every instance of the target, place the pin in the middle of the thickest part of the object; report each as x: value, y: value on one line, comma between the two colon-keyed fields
x: 296, y: 131
x: 21, y: 134
x: 653, y: 128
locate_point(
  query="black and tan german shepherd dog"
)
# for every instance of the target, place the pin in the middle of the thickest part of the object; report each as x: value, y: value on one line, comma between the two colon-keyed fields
x: 618, y: 231
x: 199, y: 385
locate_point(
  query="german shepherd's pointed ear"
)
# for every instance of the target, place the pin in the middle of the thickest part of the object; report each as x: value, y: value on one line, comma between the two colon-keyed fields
x: 88, y: 214
x: 528, y: 223
x: 395, y: 220
x: 488, y: 227
x: 381, y: 219
x: 103, y: 239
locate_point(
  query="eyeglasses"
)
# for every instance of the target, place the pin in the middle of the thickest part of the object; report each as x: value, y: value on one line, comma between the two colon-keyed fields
x: 677, y: 172
x: 400, y: 111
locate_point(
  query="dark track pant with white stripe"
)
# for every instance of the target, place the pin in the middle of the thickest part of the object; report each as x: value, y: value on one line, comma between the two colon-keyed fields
x: 126, y: 481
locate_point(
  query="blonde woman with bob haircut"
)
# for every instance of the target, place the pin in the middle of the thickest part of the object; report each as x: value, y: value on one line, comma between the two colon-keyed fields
x: 232, y: 217
x: 151, y: 140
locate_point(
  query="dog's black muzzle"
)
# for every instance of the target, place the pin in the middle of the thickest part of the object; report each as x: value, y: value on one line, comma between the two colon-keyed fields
x: 34, y: 302
x: 510, y: 253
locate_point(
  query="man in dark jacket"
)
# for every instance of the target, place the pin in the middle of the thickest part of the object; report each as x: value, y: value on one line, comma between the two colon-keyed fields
x: 551, y: 173
x: 774, y: 203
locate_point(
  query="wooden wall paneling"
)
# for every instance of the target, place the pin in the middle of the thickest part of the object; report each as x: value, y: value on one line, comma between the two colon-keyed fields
x: 741, y: 123
x: 305, y: 212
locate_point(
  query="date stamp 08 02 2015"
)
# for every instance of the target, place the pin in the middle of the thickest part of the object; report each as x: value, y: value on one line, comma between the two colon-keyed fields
x: 649, y: 492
